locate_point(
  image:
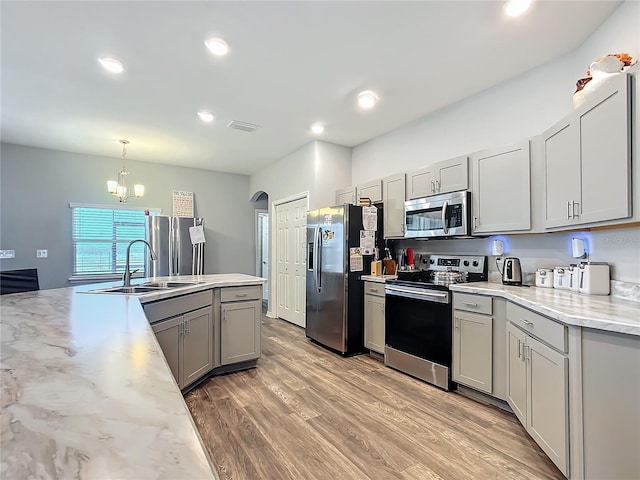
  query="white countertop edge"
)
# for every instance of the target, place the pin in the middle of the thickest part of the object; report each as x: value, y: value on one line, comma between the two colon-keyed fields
x: 378, y: 278
x: 613, y: 321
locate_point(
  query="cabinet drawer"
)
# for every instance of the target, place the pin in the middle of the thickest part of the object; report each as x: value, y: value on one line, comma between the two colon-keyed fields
x: 235, y: 294
x: 547, y: 330
x: 473, y: 303
x: 177, y: 305
x: 374, y: 288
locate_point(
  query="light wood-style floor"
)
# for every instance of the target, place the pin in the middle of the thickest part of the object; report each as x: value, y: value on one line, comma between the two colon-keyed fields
x: 307, y: 413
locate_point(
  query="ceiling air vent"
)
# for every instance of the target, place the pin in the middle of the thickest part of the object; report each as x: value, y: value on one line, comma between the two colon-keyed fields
x: 244, y: 126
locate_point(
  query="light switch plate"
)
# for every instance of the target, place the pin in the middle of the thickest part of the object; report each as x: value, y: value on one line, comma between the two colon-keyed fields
x: 7, y: 254
x: 42, y: 253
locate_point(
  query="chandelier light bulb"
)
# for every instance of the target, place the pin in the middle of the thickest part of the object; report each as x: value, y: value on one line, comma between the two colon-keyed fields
x: 217, y: 46
x: 515, y: 8
x: 367, y: 99
x: 111, y: 65
x: 205, y: 116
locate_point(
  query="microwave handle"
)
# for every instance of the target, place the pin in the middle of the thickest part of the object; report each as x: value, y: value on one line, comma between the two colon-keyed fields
x: 445, y: 229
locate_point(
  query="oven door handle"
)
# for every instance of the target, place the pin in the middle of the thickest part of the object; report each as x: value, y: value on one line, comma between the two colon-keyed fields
x: 429, y: 296
x: 445, y: 229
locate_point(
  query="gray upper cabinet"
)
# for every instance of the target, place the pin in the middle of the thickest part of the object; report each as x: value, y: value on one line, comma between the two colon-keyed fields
x: 393, y: 196
x: 371, y: 190
x: 441, y: 177
x: 587, y: 160
x: 501, y: 194
x: 346, y: 195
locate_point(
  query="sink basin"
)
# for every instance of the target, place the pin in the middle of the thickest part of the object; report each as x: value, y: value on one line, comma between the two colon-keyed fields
x: 168, y: 284
x: 129, y: 290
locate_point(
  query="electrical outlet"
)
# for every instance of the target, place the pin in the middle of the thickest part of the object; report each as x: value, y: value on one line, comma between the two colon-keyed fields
x: 7, y: 254
x: 42, y: 253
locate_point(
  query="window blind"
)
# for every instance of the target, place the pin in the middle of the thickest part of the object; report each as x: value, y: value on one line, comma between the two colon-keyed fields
x: 100, y: 237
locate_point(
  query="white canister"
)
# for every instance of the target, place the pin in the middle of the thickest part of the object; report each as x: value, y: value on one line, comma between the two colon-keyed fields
x: 594, y: 278
x: 561, y: 277
x: 544, y: 278
x: 573, y: 273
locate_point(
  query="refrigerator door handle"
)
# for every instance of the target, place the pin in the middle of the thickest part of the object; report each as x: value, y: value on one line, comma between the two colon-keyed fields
x: 318, y: 258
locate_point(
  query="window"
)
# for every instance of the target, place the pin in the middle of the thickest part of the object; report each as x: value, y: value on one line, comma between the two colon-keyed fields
x: 100, y: 236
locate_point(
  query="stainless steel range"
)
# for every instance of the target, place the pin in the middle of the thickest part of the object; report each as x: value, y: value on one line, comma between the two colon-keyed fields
x: 418, y: 315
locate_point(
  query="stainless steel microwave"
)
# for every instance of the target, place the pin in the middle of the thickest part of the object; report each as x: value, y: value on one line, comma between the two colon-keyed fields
x: 444, y: 215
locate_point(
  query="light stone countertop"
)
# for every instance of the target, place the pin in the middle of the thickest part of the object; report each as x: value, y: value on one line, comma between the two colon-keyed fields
x: 601, y: 312
x: 86, y: 390
x: 379, y: 278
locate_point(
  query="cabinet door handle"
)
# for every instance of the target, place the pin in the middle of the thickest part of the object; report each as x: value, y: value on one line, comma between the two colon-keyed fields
x: 569, y: 214
x: 526, y: 352
x: 438, y: 185
x: 469, y: 304
x: 181, y: 328
x: 241, y: 294
x: 475, y: 222
x: 433, y: 187
x: 456, y: 322
x: 519, y: 348
x: 186, y: 326
x: 526, y: 322
x: 573, y: 209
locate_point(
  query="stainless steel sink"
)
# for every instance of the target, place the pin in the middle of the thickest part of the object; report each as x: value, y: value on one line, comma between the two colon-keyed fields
x: 169, y: 284
x: 129, y: 290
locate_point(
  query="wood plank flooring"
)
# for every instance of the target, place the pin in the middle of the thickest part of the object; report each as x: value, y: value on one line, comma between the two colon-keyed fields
x: 308, y: 413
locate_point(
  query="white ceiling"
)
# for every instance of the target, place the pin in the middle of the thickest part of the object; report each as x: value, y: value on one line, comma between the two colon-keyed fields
x: 291, y: 63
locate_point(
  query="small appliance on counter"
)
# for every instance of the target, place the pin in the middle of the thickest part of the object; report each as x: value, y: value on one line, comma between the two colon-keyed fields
x: 594, y: 278
x: 544, y: 278
x: 512, y: 272
x: 573, y: 272
x: 561, y: 278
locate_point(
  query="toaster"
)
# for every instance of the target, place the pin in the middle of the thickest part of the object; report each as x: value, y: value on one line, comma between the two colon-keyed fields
x: 593, y: 278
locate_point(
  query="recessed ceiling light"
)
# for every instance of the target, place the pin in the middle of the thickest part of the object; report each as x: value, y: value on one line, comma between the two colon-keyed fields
x: 205, y: 116
x: 217, y: 46
x: 317, y: 128
x: 111, y: 65
x: 515, y: 8
x: 367, y: 99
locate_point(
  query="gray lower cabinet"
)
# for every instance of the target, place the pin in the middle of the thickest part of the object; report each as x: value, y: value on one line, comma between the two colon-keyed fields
x: 240, y: 324
x: 473, y: 350
x: 479, y: 324
x: 184, y: 328
x: 374, y: 316
x: 538, y: 381
x: 187, y: 344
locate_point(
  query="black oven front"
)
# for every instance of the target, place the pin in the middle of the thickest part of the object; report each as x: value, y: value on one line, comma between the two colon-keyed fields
x: 418, y: 331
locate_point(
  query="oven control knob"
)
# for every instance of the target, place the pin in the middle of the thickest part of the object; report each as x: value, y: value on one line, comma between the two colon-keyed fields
x: 466, y: 263
x: 432, y: 261
x: 475, y: 263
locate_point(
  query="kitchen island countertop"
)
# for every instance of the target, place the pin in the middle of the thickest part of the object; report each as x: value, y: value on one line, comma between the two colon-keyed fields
x: 601, y: 312
x: 86, y: 390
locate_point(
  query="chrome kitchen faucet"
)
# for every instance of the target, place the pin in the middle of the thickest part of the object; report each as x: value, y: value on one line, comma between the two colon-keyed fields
x: 126, y: 278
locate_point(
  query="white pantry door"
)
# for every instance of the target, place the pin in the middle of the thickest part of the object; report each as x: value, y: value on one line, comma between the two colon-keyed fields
x: 291, y: 227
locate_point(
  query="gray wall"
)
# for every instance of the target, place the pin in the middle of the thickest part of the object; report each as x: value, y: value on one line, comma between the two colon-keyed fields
x: 37, y: 186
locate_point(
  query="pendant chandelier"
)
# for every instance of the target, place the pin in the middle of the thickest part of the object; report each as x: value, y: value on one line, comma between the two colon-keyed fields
x: 119, y: 188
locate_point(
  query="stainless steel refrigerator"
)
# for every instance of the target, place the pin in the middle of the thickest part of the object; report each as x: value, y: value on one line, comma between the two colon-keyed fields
x: 334, y: 315
x: 170, y: 239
